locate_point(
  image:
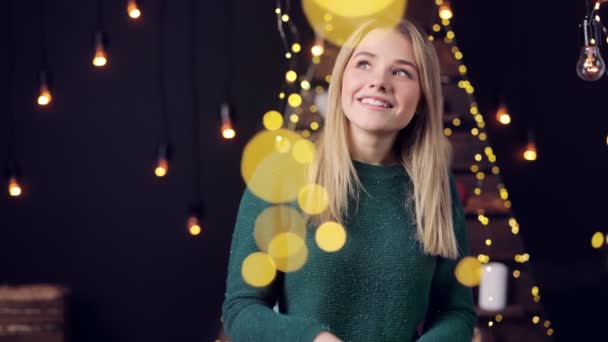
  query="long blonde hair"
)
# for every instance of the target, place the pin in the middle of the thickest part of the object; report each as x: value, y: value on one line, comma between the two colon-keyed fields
x: 424, y: 151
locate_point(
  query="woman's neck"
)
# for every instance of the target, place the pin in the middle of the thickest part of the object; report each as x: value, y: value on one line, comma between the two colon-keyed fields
x: 373, y: 148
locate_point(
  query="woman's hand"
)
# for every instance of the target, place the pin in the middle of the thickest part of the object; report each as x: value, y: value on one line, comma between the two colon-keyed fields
x: 326, y: 337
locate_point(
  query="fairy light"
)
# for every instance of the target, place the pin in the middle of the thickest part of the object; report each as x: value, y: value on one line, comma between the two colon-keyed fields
x: 133, y: 9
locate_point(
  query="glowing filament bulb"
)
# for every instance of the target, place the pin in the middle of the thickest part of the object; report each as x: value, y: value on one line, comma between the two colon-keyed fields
x: 318, y: 48
x: 227, y: 131
x: 502, y: 115
x: 14, y: 189
x: 530, y: 152
x: 161, y: 168
x: 445, y: 11
x: 44, y: 98
x: 194, y: 226
x: 133, y: 10
x: 100, y: 58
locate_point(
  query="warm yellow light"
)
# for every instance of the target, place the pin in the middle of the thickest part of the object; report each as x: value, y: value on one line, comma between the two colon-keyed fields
x: 445, y: 11
x: 227, y: 131
x: 597, y: 240
x: 272, y: 120
x: 330, y: 236
x: 132, y: 9
x: 317, y: 50
x: 295, y: 47
x: 294, y: 100
x: 194, y: 226
x: 530, y: 152
x: 100, y: 59
x: 291, y: 76
x: 45, y: 96
x: 14, y: 189
x: 161, y: 168
x: 535, y: 290
x: 259, y: 269
x: 502, y: 115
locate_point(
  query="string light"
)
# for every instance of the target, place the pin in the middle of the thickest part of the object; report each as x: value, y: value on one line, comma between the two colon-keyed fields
x: 44, y: 96
x: 502, y: 115
x: 100, y: 58
x: 133, y: 9
x: 162, y: 160
x: 227, y: 131
x: 445, y: 11
x: 445, y: 14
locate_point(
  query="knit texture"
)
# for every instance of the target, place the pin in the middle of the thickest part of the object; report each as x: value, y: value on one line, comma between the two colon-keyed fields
x: 378, y: 287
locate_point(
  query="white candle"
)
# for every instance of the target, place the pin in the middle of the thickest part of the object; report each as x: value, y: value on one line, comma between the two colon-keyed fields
x: 493, y: 287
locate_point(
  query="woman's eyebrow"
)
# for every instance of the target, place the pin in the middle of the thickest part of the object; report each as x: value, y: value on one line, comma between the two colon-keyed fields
x: 398, y: 61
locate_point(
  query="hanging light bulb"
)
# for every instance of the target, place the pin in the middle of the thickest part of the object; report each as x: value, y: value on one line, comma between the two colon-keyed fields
x: 530, y: 152
x: 162, y: 161
x: 227, y: 131
x: 133, y: 10
x: 590, y: 66
x: 194, y: 226
x: 194, y: 222
x: 14, y: 189
x: 318, y: 47
x: 502, y: 115
x: 445, y: 11
x: 44, y: 97
x: 100, y: 58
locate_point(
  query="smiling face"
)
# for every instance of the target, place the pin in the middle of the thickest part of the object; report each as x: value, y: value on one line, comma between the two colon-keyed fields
x: 380, y: 86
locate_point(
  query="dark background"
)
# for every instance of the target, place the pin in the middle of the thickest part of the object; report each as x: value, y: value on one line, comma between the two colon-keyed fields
x: 94, y: 217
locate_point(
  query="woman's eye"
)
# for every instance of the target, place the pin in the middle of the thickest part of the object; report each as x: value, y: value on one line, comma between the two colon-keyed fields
x: 363, y: 65
x: 401, y: 72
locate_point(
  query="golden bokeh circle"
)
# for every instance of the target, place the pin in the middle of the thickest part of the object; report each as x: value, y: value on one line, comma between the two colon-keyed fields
x: 258, y: 269
x: 468, y: 271
x: 335, y: 20
x: 269, y: 171
x: 272, y: 120
x: 330, y: 236
x: 304, y: 151
x: 313, y: 199
x: 275, y: 221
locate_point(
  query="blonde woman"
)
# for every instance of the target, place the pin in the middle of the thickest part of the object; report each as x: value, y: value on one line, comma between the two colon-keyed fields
x: 384, y: 160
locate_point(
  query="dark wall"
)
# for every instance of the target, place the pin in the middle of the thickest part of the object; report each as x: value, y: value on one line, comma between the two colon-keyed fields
x: 93, y: 216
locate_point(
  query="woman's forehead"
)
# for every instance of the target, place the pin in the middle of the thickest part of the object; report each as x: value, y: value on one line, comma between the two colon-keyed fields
x: 386, y: 43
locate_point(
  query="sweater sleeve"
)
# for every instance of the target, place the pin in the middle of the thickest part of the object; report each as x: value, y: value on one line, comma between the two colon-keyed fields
x: 451, y: 316
x: 247, y: 312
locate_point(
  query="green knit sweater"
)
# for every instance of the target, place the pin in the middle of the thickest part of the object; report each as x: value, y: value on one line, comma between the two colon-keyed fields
x: 378, y: 287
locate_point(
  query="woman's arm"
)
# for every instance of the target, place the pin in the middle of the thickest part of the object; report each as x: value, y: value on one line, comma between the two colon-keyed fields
x: 451, y: 316
x: 247, y: 311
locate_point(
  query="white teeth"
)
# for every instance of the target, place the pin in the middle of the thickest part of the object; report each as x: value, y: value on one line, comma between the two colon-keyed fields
x: 375, y: 102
